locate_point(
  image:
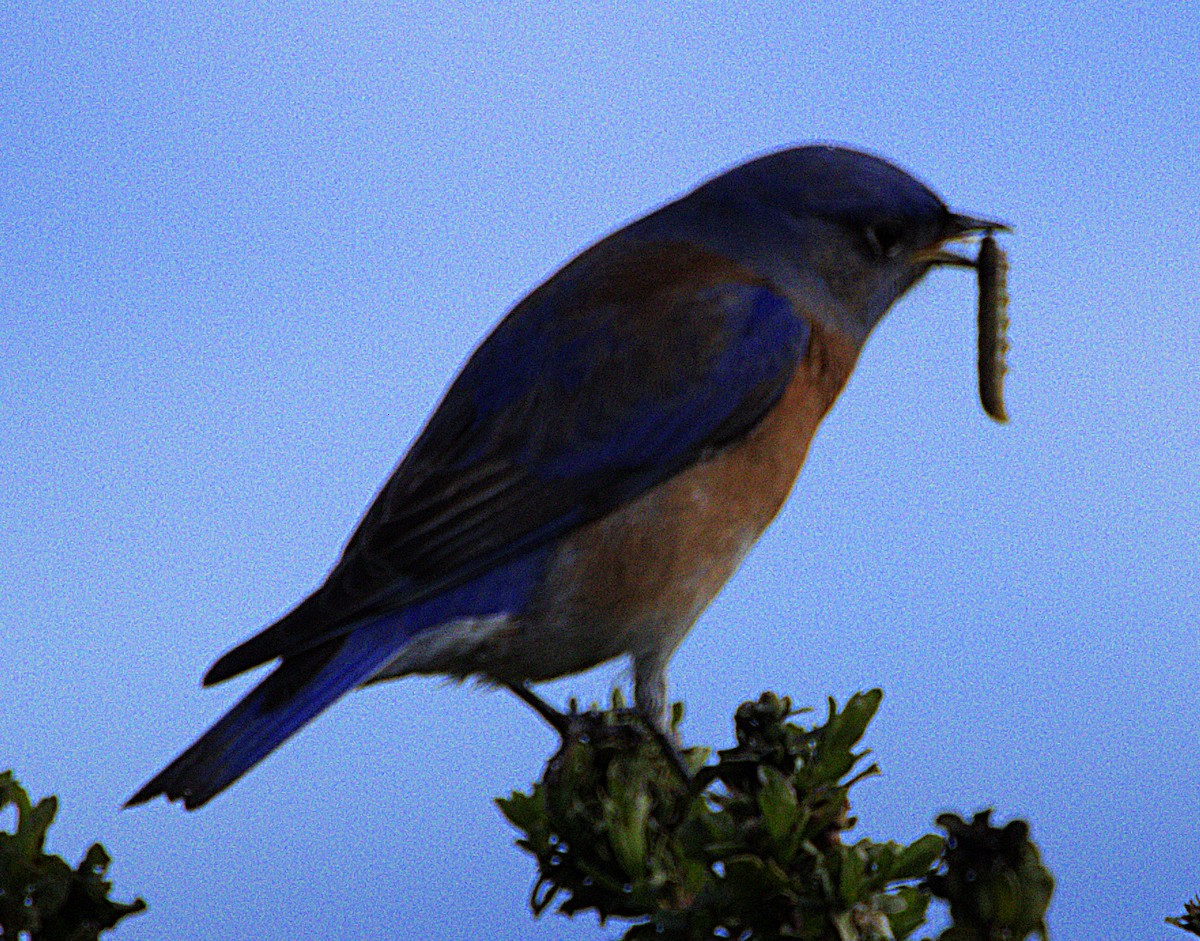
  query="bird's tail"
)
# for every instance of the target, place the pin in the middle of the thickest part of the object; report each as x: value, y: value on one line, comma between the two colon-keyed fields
x: 302, y: 687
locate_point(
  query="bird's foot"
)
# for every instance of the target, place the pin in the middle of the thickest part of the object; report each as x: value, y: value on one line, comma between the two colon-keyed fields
x: 585, y: 726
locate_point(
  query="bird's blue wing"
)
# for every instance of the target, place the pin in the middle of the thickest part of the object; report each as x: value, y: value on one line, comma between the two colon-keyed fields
x: 629, y: 365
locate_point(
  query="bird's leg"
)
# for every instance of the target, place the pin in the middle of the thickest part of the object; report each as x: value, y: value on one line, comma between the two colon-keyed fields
x: 654, y: 721
x: 650, y: 695
x: 560, y: 722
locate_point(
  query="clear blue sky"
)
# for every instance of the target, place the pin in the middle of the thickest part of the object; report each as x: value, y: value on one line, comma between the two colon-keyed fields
x: 242, y: 253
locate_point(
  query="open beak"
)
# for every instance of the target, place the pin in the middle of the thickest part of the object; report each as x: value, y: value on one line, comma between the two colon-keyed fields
x: 959, y: 227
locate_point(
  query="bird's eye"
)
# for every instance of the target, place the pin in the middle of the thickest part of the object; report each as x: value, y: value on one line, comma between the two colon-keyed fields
x: 884, y: 240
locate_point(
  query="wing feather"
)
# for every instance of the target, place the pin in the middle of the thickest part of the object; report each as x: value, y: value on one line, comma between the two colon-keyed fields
x: 613, y: 376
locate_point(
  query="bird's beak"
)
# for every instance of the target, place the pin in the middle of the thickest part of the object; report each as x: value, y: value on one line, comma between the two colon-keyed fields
x: 959, y: 227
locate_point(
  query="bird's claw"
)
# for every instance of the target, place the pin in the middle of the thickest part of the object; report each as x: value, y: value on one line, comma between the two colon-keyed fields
x: 575, y: 725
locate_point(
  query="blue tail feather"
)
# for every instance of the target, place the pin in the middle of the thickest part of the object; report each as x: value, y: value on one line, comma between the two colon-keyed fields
x: 300, y: 689
x: 306, y: 683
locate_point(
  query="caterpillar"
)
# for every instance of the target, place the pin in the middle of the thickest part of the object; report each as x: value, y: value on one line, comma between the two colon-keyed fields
x: 991, y: 267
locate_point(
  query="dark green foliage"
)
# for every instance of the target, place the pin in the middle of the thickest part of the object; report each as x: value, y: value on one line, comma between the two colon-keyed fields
x: 993, y: 880
x: 41, y: 897
x: 750, y: 847
x: 1190, y: 922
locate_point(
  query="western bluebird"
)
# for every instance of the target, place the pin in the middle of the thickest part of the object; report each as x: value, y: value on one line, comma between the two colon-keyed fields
x: 607, y: 456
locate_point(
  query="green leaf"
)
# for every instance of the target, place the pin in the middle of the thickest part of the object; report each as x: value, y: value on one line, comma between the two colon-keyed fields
x: 911, y: 915
x: 915, y: 860
x: 780, y: 811
x: 852, y: 878
x: 625, y: 822
x: 523, y: 810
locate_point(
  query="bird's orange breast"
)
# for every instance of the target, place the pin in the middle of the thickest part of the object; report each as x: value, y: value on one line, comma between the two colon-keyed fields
x: 643, y: 574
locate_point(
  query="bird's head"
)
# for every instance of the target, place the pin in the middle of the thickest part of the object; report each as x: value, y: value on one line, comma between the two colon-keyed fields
x: 843, y: 232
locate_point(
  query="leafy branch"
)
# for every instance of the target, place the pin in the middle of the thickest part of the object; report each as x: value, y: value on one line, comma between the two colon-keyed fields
x: 41, y: 897
x: 751, y: 847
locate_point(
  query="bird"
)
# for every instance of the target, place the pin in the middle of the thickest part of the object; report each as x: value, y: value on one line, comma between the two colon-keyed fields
x: 606, y: 457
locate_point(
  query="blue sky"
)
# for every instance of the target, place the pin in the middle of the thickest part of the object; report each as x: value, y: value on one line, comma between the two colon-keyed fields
x: 243, y: 252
